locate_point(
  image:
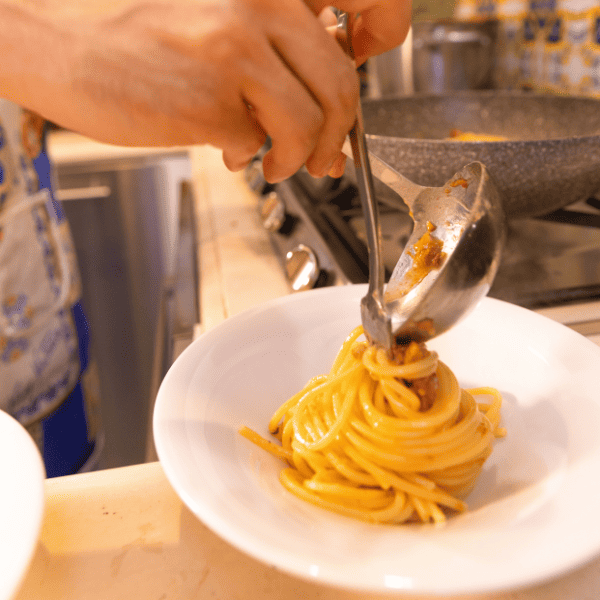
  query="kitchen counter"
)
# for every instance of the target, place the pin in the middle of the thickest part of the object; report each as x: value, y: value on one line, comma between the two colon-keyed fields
x: 124, y: 533
x: 238, y: 268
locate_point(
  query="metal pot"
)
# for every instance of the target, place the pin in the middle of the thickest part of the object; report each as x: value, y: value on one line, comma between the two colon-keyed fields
x: 437, y: 57
x: 550, y: 159
x: 453, y: 55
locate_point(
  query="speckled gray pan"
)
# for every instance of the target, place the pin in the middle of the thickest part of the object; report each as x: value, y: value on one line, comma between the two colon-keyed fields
x: 551, y: 158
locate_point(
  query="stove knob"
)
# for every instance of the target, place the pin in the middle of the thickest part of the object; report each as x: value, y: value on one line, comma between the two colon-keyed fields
x: 255, y: 177
x: 272, y: 212
x: 302, y: 268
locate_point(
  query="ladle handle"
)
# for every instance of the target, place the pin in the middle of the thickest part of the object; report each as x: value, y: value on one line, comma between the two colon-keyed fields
x: 405, y: 188
x: 364, y: 180
x: 364, y: 176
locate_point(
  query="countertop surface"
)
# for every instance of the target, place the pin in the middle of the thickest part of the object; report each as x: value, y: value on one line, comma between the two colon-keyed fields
x: 124, y: 533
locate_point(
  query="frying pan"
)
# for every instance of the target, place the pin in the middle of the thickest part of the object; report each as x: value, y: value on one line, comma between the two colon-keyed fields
x: 550, y: 159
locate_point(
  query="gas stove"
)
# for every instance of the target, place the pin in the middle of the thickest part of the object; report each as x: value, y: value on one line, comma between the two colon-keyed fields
x: 550, y: 264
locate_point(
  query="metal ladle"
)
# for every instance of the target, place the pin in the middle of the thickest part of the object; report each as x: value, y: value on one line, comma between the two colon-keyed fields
x: 468, y: 220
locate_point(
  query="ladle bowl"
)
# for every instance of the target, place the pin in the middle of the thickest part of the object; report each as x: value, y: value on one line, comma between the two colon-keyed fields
x: 466, y: 221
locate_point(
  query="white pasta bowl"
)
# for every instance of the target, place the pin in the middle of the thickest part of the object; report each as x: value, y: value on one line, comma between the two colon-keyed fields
x: 540, y: 484
x: 22, y: 478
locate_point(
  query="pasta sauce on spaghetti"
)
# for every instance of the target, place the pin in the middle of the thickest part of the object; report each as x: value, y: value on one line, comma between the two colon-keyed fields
x: 388, y: 438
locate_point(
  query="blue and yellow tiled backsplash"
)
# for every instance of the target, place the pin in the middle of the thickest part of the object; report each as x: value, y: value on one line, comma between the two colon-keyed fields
x: 545, y: 45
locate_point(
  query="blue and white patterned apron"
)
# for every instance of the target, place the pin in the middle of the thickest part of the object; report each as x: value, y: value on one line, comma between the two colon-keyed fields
x: 46, y: 379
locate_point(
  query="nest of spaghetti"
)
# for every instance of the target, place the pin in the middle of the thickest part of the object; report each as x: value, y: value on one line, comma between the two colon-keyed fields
x: 385, y: 437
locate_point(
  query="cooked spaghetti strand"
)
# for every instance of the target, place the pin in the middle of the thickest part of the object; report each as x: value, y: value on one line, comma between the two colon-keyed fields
x: 385, y: 437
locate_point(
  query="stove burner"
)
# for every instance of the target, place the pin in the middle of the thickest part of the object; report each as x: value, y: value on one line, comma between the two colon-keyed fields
x: 553, y: 259
x: 586, y: 214
x: 549, y: 260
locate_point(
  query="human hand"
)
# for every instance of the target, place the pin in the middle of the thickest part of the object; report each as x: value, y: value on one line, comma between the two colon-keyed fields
x: 380, y: 26
x: 179, y: 72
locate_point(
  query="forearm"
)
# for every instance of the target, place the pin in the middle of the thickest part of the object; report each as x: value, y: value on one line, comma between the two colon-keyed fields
x: 178, y: 72
x: 59, y: 61
x: 47, y: 47
x: 28, y: 65
x: 43, y: 44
